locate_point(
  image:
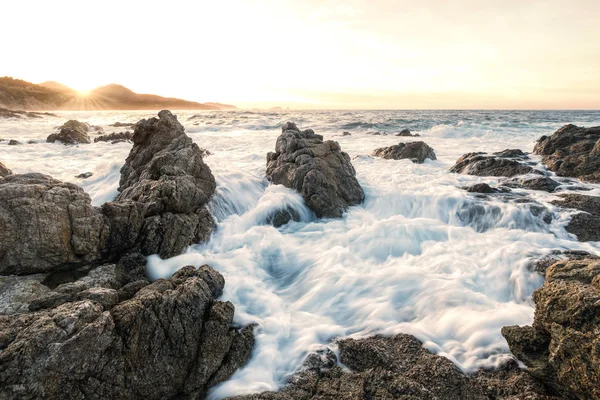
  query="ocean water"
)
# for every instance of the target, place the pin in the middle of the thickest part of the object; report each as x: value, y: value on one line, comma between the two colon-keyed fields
x: 420, y: 256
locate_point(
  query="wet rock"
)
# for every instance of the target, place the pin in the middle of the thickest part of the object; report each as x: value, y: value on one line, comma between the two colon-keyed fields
x: 346, y: 134
x: 535, y: 183
x: 4, y: 171
x: 84, y: 175
x: 406, y: 132
x: 172, y: 339
x: 282, y: 217
x: 572, y: 151
x: 317, y: 169
x: 115, y: 137
x: 585, y: 225
x: 542, y: 264
x: 13, y: 142
x: 123, y: 124
x: 400, y: 368
x: 71, y: 132
x: 507, y: 163
x: 417, y: 152
x: 562, y: 345
x: 480, y: 188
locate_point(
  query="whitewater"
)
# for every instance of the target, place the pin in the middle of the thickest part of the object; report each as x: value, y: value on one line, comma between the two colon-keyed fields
x: 420, y: 256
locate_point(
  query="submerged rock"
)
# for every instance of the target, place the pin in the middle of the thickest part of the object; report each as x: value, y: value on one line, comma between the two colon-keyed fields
x: 317, y: 169
x: 4, y: 171
x: 585, y: 225
x: 400, y: 368
x: 480, y: 188
x: 504, y: 163
x: 115, y: 137
x: 346, y: 134
x: 572, y: 151
x: 172, y: 339
x: 417, y: 152
x: 13, y: 142
x: 84, y: 175
x: 71, y: 132
x: 563, y: 344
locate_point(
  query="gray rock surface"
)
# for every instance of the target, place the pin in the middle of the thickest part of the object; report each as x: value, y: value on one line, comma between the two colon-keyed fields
x: 115, y: 137
x: 562, y: 346
x: 585, y: 225
x: 417, y: 152
x: 400, y: 368
x: 572, y: 151
x: 507, y: 163
x: 317, y: 169
x: 71, y: 132
x: 171, y: 339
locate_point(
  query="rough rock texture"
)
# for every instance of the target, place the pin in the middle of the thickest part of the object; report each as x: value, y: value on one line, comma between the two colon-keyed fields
x: 164, y: 189
x: 572, y: 151
x: 585, y: 225
x: 115, y: 137
x: 4, y: 171
x: 417, y: 152
x: 318, y: 169
x: 507, y: 163
x: 400, y: 368
x: 538, y: 183
x: 71, y: 132
x: 46, y: 223
x: 172, y: 339
x: 562, y: 347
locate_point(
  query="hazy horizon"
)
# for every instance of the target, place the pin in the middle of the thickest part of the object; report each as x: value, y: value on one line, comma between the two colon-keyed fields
x: 350, y: 55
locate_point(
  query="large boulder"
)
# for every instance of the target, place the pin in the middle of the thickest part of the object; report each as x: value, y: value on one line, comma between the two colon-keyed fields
x: 4, y: 171
x: 572, y: 151
x: 171, y: 339
x: 562, y: 347
x: 417, y: 152
x: 509, y: 163
x: 71, y: 132
x: 400, y: 368
x: 317, y: 169
x: 585, y: 225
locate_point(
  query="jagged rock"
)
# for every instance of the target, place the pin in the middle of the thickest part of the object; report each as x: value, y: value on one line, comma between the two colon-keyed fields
x: 17, y: 292
x: 585, y: 225
x: 400, y: 368
x: 317, y: 169
x: 84, y: 175
x: 504, y: 163
x: 4, y: 171
x: 417, y: 152
x: 71, y: 132
x: 562, y: 346
x: 13, y: 142
x: 45, y: 223
x: 172, y: 339
x: 115, y: 137
x: 572, y: 151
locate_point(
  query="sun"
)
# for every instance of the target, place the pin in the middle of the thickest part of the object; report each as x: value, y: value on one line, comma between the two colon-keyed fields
x: 83, y: 93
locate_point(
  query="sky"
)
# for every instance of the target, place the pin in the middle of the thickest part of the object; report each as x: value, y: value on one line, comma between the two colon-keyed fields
x: 353, y: 54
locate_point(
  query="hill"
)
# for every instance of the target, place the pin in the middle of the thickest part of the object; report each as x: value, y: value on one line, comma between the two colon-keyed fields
x: 22, y: 95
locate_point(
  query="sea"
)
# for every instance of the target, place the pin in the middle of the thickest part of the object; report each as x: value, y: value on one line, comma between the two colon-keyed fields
x: 420, y: 256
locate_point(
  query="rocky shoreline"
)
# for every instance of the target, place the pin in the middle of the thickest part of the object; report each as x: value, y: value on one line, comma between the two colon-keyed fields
x: 80, y: 319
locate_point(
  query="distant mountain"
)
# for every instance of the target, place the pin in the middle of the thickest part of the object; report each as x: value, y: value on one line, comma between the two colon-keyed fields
x: 22, y: 95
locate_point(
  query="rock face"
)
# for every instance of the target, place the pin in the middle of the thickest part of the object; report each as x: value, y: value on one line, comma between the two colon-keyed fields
x: 585, y: 225
x: 172, y: 339
x: 507, y: 163
x: 400, y: 368
x: 4, y: 171
x: 563, y: 345
x: 45, y: 223
x: 71, y: 132
x: 166, y: 184
x: 317, y: 169
x: 115, y: 137
x: 572, y: 151
x: 417, y: 152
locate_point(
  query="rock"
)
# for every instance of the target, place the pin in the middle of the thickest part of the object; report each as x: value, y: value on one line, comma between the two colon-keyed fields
x: 374, y: 133
x: 71, y: 132
x: 417, y: 152
x: 346, y: 134
x: 172, y: 339
x: 505, y: 163
x: 400, y: 368
x: 5, y: 113
x: 406, y: 132
x: 535, y: 183
x: 123, y: 124
x: 563, y: 344
x: 282, y: 217
x: 480, y: 188
x: 84, y: 175
x: 45, y: 223
x: 585, y: 225
x: 17, y: 292
x: 542, y: 264
x: 115, y: 137
x: 164, y: 190
x: 13, y: 142
x: 317, y: 169
x: 205, y: 152
x: 572, y: 151
x: 4, y: 171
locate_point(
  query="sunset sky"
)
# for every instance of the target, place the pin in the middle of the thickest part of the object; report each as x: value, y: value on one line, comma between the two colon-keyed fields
x: 316, y: 54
